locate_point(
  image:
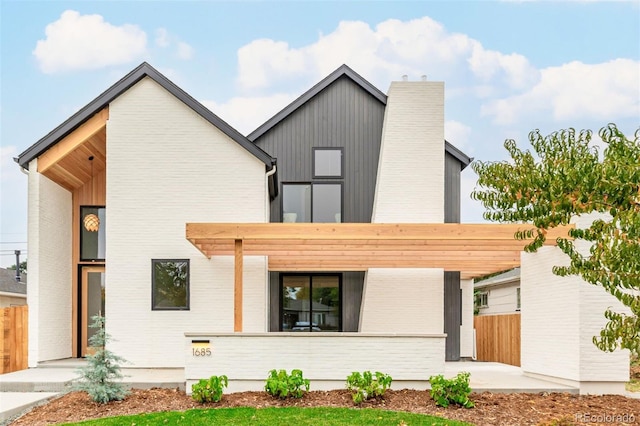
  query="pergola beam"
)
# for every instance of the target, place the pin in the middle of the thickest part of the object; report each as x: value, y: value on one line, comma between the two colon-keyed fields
x: 237, y: 288
x: 472, y: 249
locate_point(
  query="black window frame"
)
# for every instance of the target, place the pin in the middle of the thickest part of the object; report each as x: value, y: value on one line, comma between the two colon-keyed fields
x: 313, y: 162
x: 80, y: 214
x: 311, y: 275
x: 312, y: 184
x: 153, y: 284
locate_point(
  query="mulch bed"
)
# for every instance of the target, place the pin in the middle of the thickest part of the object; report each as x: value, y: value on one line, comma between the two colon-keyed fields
x: 491, y: 408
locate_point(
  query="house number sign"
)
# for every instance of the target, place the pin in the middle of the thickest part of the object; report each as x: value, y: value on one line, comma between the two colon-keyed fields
x: 201, y: 348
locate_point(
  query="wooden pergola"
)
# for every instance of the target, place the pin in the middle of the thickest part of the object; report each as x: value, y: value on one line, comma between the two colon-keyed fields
x: 472, y: 249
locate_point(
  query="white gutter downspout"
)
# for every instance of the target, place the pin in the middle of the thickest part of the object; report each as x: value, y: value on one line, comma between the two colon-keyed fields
x: 267, y: 210
x: 267, y: 215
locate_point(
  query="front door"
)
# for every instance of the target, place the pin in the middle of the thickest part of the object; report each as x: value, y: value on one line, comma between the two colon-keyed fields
x: 91, y: 304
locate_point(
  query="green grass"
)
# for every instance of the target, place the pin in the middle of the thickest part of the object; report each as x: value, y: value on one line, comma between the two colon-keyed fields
x: 276, y: 416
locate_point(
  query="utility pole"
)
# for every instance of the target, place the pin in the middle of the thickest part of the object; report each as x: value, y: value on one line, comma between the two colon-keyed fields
x: 17, y: 252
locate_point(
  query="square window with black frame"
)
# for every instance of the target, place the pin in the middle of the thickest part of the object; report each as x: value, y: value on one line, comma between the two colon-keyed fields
x: 170, y: 284
x: 327, y: 162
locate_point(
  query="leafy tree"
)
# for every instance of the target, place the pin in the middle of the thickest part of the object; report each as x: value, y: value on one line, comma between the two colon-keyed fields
x: 567, y: 176
x: 23, y: 267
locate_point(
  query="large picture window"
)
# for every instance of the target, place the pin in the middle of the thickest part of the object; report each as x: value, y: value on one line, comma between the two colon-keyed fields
x: 312, y: 202
x: 170, y: 284
x: 311, y: 302
x: 93, y: 242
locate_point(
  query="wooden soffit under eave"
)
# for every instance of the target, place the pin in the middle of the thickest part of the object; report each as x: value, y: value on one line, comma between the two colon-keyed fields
x: 67, y: 164
x: 472, y: 249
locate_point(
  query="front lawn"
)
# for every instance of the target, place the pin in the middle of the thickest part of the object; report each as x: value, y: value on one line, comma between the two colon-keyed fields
x: 276, y: 416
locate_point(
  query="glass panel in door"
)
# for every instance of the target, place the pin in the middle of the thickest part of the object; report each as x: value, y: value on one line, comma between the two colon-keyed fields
x: 93, y: 303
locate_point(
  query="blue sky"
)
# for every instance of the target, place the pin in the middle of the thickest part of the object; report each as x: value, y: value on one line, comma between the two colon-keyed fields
x: 508, y: 66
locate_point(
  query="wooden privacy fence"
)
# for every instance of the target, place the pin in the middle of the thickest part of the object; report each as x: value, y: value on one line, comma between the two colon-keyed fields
x: 14, y: 338
x: 498, y: 338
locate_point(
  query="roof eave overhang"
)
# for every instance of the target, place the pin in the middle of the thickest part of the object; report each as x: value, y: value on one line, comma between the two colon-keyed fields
x: 124, y: 84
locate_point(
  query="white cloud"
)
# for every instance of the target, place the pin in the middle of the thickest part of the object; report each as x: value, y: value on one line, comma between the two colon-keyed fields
x: 165, y: 40
x: 245, y: 114
x: 458, y: 135
x: 162, y: 37
x: 80, y: 42
x: 387, y: 51
x: 576, y: 90
x: 185, y: 51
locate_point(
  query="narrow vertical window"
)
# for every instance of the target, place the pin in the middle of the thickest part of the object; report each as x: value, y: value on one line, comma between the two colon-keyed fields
x: 93, y: 240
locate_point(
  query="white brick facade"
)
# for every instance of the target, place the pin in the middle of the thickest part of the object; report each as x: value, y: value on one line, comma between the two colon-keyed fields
x: 167, y: 166
x: 409, y: 189
x: 466, y: 329
x: 49, y: 289
x: 325, y: 358
x: 560, y: 315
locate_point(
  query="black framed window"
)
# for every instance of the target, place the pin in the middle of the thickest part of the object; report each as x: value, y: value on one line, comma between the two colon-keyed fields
x: 311, y: 302
x: 93, y: 220
x: 312, y: 202
x: 169, y: 284
x: 327, y: 162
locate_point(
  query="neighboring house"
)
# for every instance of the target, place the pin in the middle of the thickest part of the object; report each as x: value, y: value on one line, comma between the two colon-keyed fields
x: 12, y: 292
x: 499, y: 294
x: 147, y: 208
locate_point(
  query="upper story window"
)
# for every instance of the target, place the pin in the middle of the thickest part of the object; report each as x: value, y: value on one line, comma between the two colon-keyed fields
x: 92, y: 233
x: 327, y: 163
x: 312, y: 202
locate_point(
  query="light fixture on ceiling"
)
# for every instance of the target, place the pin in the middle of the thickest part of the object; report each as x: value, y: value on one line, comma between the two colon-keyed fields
x: 91, y: 221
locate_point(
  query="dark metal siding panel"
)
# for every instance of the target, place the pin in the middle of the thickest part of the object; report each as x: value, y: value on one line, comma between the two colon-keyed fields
x: 342, y: 115
x: 274, y: 301
x: 452, y: 315
x: 452, y: 168
x: 352, y: 285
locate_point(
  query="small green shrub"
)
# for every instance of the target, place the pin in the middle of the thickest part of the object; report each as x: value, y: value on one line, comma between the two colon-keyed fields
x: 364, y: 386
x: 283, y: 385
x: 456, y: 390
x: 209, y: 390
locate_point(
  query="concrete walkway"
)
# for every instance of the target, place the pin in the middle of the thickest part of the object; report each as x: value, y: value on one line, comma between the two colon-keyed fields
x: 22, y: 390
x: 502, y: 378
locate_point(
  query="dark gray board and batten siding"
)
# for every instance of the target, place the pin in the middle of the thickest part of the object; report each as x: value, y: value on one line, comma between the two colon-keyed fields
x: 452, y: 295
x: 342, y: 115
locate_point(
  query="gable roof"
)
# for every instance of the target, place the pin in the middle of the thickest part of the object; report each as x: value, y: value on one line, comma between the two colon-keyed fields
x: 129, y: 80
x: 343, y: 70
x: 8, y: 283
